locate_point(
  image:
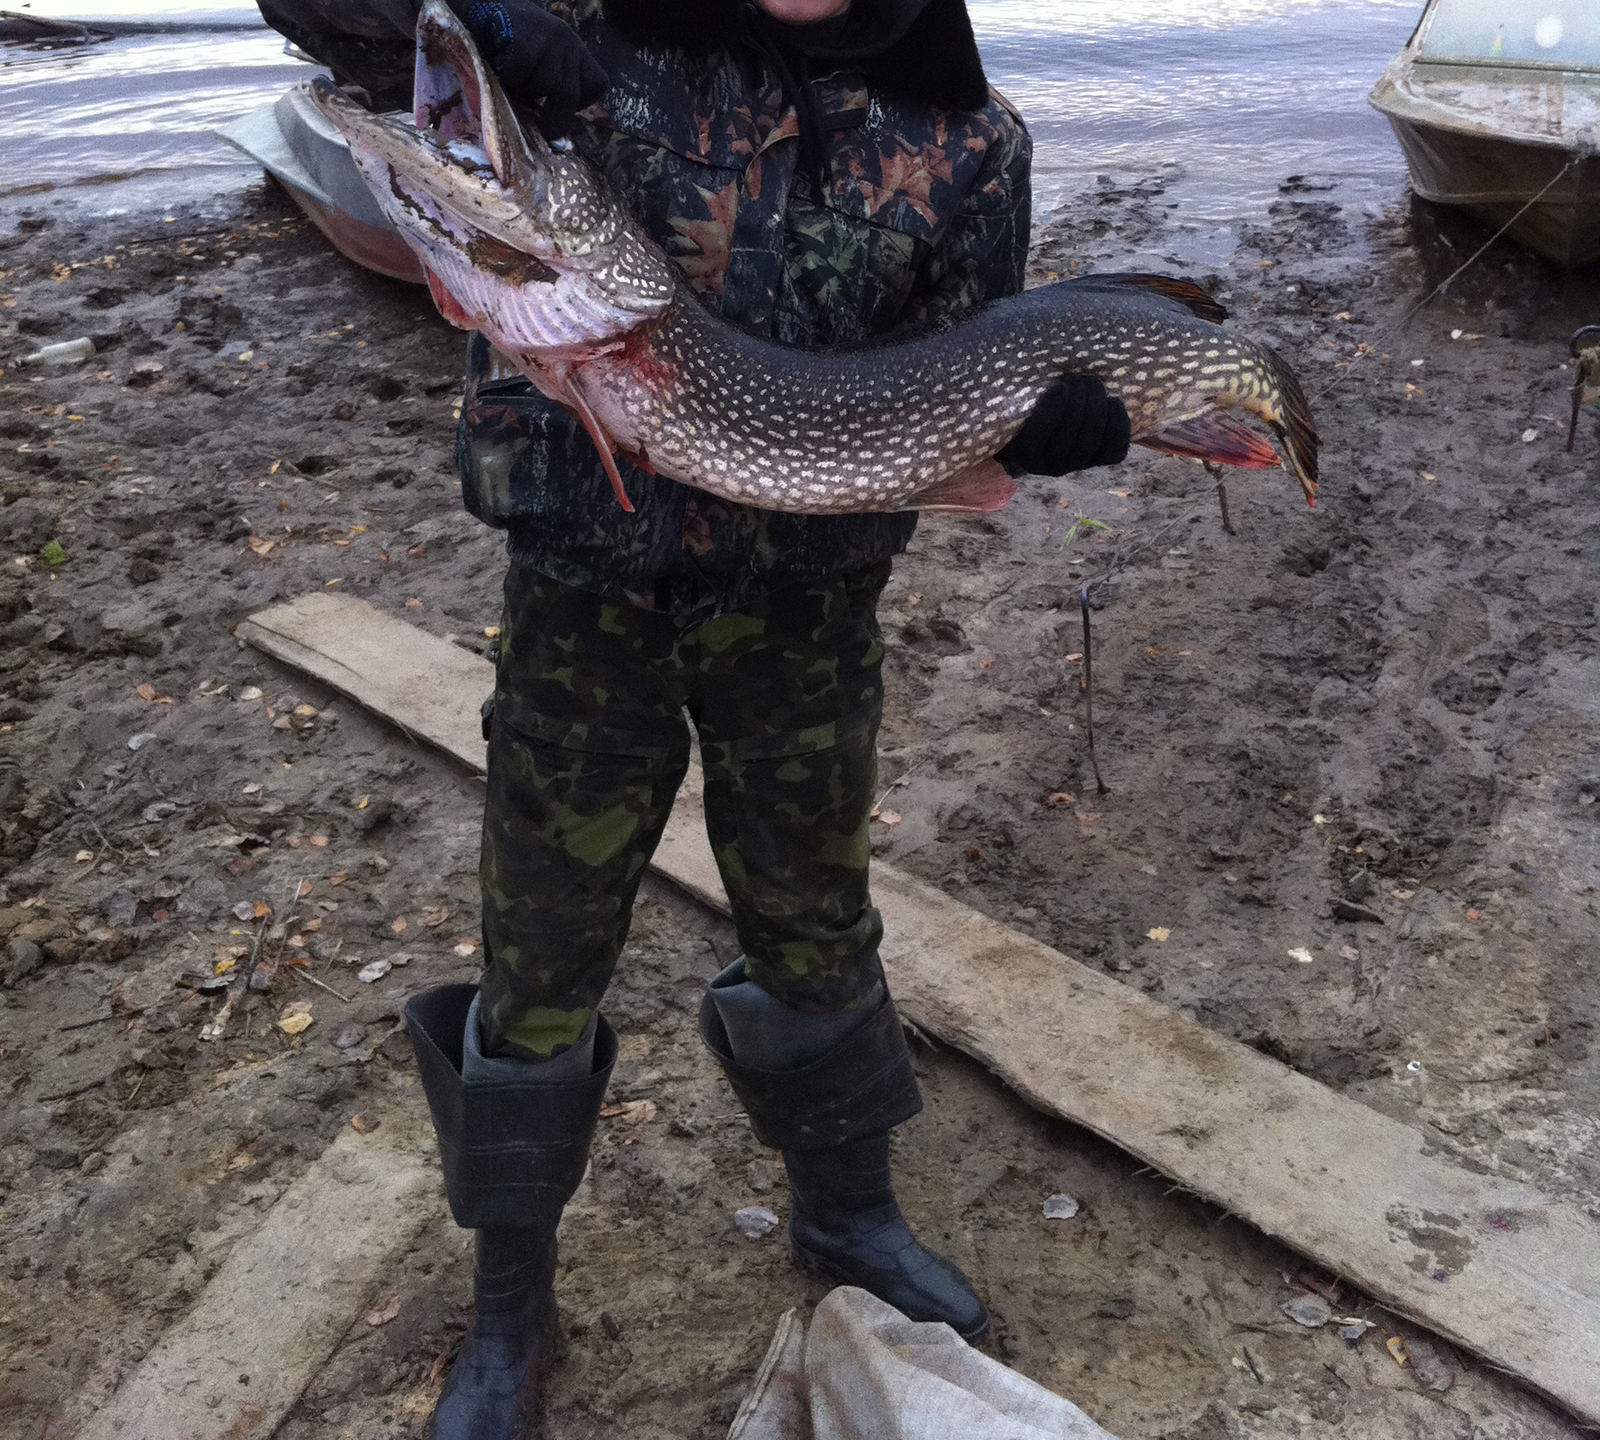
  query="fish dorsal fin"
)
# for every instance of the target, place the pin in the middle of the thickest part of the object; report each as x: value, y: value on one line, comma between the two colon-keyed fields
x: 1185, y: 292
x: 976, y: 490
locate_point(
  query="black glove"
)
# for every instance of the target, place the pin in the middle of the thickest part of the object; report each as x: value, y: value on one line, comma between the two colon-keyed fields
x: 539, y: 59
x: 1074, y: 425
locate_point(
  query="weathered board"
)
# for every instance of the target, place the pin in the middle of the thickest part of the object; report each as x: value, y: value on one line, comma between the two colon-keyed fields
x: 432, y: 689
x: 1498, y: 1268
x: 282, y: 1301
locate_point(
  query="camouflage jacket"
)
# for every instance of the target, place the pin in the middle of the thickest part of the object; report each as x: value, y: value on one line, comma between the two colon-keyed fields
x: 926, y: 214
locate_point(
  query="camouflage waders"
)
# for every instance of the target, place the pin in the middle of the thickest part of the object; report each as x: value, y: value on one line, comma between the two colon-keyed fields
x: 588, y: 745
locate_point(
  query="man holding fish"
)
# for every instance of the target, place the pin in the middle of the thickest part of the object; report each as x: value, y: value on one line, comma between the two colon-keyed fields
x: 821, y: 172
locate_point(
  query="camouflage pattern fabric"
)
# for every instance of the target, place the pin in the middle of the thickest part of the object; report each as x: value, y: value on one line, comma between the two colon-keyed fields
x: 588, y: 744
x: 926, y: 215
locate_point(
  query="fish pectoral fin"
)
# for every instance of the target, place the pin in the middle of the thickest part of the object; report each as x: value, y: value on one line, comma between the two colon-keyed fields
x: 569, y: 395
x: 977, y: 490
x: 1214, y: 435
x: 446, y: 304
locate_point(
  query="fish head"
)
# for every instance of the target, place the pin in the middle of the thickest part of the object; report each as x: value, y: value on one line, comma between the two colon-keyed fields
x: 473, y: 190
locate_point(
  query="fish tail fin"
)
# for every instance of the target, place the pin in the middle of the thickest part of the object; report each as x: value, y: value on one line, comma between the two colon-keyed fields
x: 1296, y: 429
x: 1213, y: 435
x: 1197, y: 301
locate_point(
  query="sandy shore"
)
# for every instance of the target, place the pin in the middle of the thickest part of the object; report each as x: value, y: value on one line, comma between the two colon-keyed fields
x: 1390, y: 706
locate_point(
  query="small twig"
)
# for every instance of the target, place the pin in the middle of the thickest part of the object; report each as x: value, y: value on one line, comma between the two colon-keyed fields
x: 1328, y: 1366
x: 321, y: 985
x: 137, y: 1085
x: 1087, y: 684
x: 895, y: 785
x: 106, y: 842
x: 1215, y: 472
x: 255, y: 955
x: 101, y: 1019
x: 1250, y: 1360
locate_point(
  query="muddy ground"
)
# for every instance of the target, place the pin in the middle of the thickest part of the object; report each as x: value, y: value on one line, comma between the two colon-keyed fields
x: 1388, y: 704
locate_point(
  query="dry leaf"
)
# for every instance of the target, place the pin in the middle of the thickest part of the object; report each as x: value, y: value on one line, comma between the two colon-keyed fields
x: 1403, y: 894
x: 1301, y: 954
x: 491, y: 632
x: 1159, y: 933
x: 890, y: 817
x: 1061, y: 797
x: 359, y: 1124
x: 1396, y: 1346
x: 385, y: 1312
x: 250, y: 692
x: 83, y: 855
x: 260, y: 546
x: 634, y: 1114
x: 1086, y: 817
x: 320, y: 841
x: 146, y: 691
x: 242, y: 1161
x: 466, y: 947
x: 296, y: 1017
x: 253, y: 788
x: 1472, y: 915
x: 338, y: 877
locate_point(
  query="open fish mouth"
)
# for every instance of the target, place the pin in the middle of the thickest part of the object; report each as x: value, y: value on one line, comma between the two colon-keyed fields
x: 464, y: 152
x: 519, y: 237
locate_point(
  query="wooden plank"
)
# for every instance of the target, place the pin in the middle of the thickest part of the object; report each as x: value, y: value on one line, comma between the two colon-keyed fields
x: 1496, y: 1267
x: 282, y: 1300
x: 432, y: 689
x: 1499, y: 1268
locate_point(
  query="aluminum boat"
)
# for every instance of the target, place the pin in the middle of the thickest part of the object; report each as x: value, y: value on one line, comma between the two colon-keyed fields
x: 1496, y: 104
x: 309, y: 158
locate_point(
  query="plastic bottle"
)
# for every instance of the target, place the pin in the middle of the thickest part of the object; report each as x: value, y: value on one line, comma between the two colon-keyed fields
x: 68, y: 352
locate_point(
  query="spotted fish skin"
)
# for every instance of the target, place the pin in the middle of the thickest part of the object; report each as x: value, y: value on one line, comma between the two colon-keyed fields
x: 876, y: 427
x: 527, y: 243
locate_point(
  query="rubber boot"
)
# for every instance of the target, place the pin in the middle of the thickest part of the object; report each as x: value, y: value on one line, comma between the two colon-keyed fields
x: 514, y: 1140
x: 826, y: 1090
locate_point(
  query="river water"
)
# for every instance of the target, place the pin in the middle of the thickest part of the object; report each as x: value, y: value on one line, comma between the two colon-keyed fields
x: 1222, y: 97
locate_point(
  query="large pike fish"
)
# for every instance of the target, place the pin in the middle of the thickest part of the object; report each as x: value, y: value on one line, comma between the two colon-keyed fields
x: 527, y: 242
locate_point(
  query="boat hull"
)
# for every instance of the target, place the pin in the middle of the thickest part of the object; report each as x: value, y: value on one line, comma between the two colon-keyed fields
x: 1495, y: 179
x: 302, y: 152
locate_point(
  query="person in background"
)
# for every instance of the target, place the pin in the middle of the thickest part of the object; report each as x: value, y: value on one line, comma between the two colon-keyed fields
x: 823, y: 171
